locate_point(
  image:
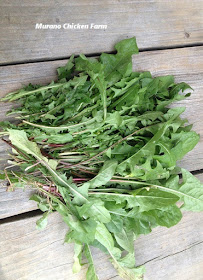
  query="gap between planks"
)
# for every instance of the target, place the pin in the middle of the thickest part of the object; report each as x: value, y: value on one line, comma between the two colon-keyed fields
x: 141, y: 50
x: 156, y: 24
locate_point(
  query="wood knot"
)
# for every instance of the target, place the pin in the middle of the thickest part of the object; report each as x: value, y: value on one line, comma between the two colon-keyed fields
x: 187, y: 35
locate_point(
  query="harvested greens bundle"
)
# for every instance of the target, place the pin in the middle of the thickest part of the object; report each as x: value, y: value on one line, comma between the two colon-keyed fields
x: 102, y: 145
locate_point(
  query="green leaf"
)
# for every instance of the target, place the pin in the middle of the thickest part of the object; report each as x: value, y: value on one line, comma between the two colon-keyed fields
x: 91, y: 272
x: 167, y: 217
x: 22, y: 93
x: 186, y: 141
x: 126, y: 270
x: 42, y: 222
x: 125, y: 240
x: 114, y: 119
x: 139, y: 224
x: 60, y: 138
x: 127, y: 47
x: 78, y: 248
x: 104, y: 175
x: 81, y: 231
x: 124, y: 265
x: 2, y: 176
x: 116, y: 223
x: 183, y: 143
x: 94, y: 209
x: 145, y: 199
x: 120, y: 64
x: 96, y: 72
x: 104, y: 237
x: 147, y: 150
x: 41, y: 202
x: 190, y: 191
x: 123, y: 237
x: 19, y: 139
x: 35, y: 197
x: 65, y: 71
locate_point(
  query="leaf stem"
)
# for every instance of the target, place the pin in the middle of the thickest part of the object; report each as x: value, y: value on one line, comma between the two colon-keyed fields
x: 57, y: 127
x: 19, y: 94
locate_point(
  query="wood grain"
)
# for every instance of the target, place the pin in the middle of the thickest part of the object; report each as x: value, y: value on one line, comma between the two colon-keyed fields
x: 155, y: 23
x: 169, y: 254
x: 14, y: 203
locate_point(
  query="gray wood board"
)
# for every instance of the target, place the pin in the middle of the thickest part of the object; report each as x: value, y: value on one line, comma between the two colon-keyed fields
x: 16, y: 202
x: 155, y: 23
x: 169, y: 254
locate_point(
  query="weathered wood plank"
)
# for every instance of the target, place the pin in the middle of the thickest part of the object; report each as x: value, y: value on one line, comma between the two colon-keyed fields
x: 14, y: 203
x: 169, y: 254
x: 174, y: 253
x: 155, y: 24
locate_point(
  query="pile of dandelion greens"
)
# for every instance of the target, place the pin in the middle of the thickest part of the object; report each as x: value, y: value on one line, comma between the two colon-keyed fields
x: 100, y: 146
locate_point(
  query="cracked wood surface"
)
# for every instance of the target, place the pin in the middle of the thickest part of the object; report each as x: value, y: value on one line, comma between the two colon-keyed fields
x: 186, y: 66
x: 169, y: 254
x: 155, y: 23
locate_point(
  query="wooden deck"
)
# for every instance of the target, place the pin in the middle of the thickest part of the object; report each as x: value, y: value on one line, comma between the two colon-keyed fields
x: 169, y: 35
